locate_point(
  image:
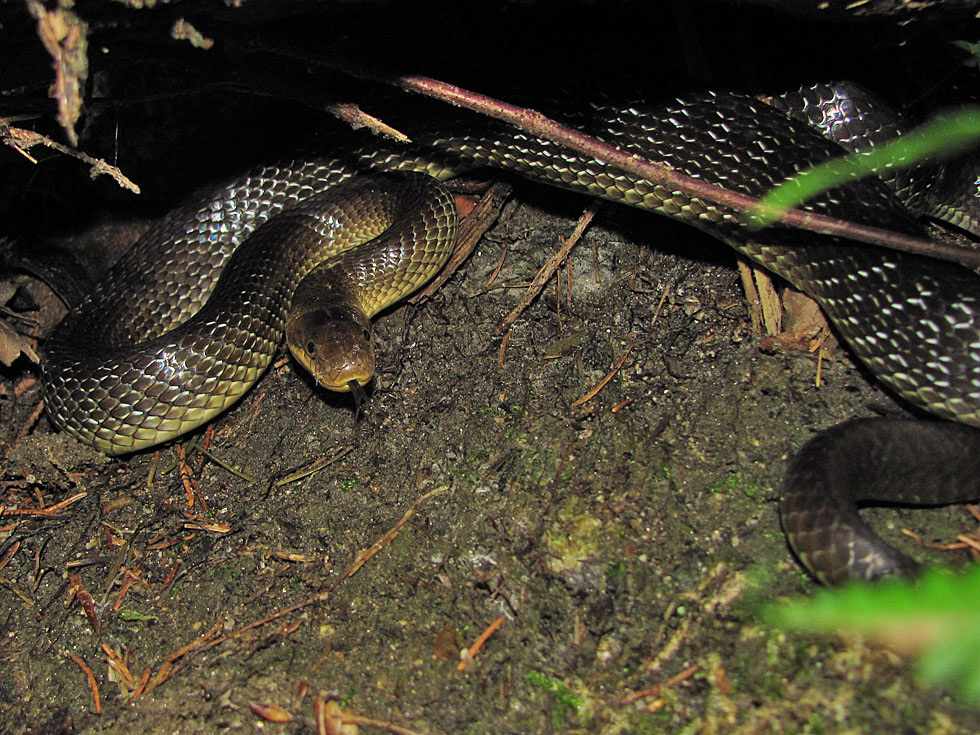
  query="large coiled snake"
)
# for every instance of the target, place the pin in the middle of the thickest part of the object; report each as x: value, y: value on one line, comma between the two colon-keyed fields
x: 128, y: 383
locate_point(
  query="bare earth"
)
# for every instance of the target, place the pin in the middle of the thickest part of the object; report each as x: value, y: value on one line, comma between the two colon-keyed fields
x: 622, y: 542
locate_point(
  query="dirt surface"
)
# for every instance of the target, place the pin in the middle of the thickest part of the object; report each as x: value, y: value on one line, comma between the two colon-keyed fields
x: 622, y: 542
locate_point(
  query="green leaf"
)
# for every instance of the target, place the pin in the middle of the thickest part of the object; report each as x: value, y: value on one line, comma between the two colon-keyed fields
x: 972, y: 49
x: 941, y: 137
x: 936, y: 617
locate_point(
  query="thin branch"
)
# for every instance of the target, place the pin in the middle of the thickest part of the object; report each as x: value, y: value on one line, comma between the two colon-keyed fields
x: 546, y: 271
x: 22, y: 140
x: 543, y: 127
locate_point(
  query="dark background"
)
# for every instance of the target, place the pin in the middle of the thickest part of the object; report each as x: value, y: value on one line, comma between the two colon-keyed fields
x: 173, y: 117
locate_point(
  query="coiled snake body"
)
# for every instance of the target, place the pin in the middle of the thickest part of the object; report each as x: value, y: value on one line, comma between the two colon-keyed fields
x: 915, y: 323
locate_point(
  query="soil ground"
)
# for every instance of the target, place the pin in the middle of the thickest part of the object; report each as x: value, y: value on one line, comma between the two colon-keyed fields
x: 622, y: 542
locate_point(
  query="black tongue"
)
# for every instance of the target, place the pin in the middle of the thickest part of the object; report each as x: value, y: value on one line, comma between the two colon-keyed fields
x: 360, y: 398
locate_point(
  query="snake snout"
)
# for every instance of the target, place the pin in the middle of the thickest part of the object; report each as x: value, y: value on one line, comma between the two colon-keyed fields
x: 335, y: 345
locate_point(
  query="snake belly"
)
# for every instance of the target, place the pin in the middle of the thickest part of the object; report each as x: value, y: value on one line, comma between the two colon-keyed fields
x: 914, y: 322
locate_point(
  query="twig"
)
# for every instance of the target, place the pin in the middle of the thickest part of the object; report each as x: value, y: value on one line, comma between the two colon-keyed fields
x: 547, y: 271
x: 364, y: 556
x: 164, y: 672
x: 141, y: 684
x: 171, y: 578
x: 501, y: 353
x: 77, y: 590
x: 211, y: 456
x: 118, y: 664
x: 314, y: 467
x: 130, y: 577
x: 471, y: 229
x: 471, y: 652
x: 609, y: 376
x: 191, y: 487
x: 349, y: 718
x: 93, y: 684
x: 51, y: 510
x: 9, y: 555
x: 23, y: 140
x: 656, y: 688
x: 357, y: 118
x: 330, y: 719
x: 539, y: 125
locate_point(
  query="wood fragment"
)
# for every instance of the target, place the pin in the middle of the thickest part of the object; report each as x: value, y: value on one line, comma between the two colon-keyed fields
x: 92, y: 683
x: 76, y: 590
x: 657, y: 688
x: 471, y: 229
x: 548, y: 269
x: 471, y: 652
x: 609, y: 376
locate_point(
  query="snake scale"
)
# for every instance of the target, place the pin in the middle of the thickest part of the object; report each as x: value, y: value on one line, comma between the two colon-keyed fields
x: 915, y: 323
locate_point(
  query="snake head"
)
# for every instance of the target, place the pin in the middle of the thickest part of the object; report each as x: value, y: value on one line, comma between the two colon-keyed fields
x: 334, y: 344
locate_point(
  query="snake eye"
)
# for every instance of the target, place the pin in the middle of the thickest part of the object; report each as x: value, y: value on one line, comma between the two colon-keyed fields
x: 310, y: 348
x: 366, y: 335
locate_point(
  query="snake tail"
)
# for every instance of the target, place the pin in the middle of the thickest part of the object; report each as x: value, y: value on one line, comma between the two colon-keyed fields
x: 872, y: 461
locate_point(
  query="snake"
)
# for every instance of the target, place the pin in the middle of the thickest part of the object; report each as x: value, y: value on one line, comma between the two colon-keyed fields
x: 189, y: 319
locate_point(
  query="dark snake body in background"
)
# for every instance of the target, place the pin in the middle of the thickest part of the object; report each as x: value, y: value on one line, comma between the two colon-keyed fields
x: 914, y: 322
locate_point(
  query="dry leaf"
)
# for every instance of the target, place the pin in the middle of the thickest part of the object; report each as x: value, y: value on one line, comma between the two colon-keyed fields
x: 13, y: 345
